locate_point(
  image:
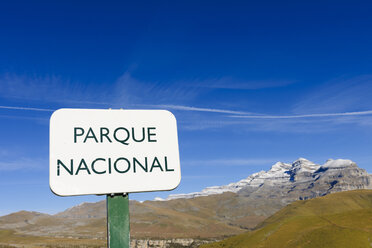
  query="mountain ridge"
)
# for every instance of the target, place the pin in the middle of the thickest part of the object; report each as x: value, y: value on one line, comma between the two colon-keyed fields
x: 280, y: 172
x: 211, y: 216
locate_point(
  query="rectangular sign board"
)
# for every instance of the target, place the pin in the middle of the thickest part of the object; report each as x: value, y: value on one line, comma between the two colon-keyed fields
x: 96, y: 151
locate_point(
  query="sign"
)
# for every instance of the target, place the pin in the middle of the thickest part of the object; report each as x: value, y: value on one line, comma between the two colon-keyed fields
x: 96, y: 151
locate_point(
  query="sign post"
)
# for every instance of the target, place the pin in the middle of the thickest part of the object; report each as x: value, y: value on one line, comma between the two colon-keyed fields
x: 118, y: 221
x: 113, y: 153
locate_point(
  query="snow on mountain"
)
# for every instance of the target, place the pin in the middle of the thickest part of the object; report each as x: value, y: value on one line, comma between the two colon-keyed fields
x: 338, y: 163
x: 280, y: 173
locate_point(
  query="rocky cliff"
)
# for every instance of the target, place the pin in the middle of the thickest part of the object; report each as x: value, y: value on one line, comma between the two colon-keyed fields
x: 302, y: 177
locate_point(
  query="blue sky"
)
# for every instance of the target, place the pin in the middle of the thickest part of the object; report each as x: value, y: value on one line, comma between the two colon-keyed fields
x: 250, y: 83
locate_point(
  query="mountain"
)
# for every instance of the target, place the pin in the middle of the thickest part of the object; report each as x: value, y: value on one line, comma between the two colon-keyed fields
x: 300, y: 172
x: 213, y: 213
x: 338, y: 220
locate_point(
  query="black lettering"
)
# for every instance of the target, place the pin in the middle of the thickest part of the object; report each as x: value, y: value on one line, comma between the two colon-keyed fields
x: 149, y: 134
x: 104, y: 133
x: 109, y: 162
x: 78, y: 134
x: 94, y: 170
x: 156, y: 164
x: 136, y: 161
x: 90, y: 135
x: 166, y: 164
x: 70, y: 171
x: 116, y: 168
x: 82, y: 166
x: 143, y: 135
x: 122, y: 140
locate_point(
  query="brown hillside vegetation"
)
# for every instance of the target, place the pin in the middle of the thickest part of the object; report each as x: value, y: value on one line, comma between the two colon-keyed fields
x: 210, y: 216
x: 202, y: 217
x: 11, y: 239
x: 337, y: 220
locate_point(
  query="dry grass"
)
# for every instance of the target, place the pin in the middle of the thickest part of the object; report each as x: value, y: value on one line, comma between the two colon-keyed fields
x: 340, y: 220
x: 9, y: 238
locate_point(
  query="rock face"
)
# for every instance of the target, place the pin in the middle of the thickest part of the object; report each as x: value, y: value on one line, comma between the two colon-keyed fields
x: 301, y: 179
x: 304, y: 179
x: 212, y: 213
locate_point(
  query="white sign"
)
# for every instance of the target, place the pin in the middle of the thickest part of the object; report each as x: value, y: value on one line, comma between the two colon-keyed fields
x: 113, y: 151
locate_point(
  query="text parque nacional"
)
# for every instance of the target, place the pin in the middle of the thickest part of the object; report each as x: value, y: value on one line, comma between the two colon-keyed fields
x: 109, y: 165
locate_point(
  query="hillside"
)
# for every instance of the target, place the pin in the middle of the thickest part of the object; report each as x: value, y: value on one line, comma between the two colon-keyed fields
x: 338, y: 220
x: 216, y: 212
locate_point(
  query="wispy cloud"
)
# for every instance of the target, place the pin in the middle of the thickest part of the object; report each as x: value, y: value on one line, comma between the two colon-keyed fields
x: 22, y: 182
x: 232, y: 162
x: 203, y: 176
x: 51, y: 89
x: 44, y: 119
x: 41, y: 120
x: 319, y: 122
x: 236, y: 84
x: 322, y: 122
x: 198, y: 109
x: 26, y: 108
x: 281, y: 125
x: 338, y: 95
x: 23, y: 164
x: 237, y: 114
x: 357, y: 113
x: 128, y: 91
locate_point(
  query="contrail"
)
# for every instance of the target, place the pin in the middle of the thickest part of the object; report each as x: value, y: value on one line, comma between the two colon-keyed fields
x: 236, y: 114
x: 250, y: 115
x: 190, y: 108
x: 367, y: 112
x: 26, y: 108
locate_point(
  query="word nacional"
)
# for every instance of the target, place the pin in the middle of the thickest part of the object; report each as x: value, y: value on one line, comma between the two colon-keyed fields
x: 119, y: 165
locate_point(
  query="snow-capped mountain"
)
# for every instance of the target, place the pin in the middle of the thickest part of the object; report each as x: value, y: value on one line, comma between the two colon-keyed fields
x: 299, y: 172
x: 248, y: 203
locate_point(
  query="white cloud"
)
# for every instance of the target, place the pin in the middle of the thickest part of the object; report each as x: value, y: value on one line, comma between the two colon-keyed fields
x: 337, y: 95
x: 283, y: 125
x: 22, y: 182
x: 26, y: 108
x: 357, y: 113
x: 130, y: 91
x: 236, y: 84
x: 51, y: 89
x: 232, y: 162
x: 23, y: 164
x: 198, y: 109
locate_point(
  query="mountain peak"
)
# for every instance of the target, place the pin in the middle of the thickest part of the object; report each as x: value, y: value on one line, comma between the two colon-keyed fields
x: 302, y: 162
x: 300, y: 171
x: 300, y: 159
x: 280, y: 165
x: 338, y: 163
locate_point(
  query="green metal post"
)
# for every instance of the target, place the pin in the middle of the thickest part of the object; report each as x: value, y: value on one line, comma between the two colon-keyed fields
x: 118, y: 221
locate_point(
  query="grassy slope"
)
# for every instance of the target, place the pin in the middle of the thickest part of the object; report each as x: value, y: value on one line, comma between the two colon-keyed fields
x: 8, y: 238
x: 337, y: 220
x: 180, y: 219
